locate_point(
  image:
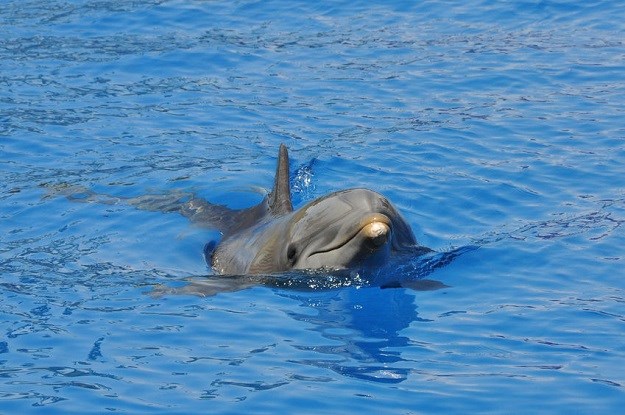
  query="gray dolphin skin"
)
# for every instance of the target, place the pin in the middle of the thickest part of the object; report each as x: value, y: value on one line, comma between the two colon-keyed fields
x: 348, y: 229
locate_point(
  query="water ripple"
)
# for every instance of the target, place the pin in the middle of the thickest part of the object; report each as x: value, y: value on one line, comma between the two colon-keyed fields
x: 496, y: 128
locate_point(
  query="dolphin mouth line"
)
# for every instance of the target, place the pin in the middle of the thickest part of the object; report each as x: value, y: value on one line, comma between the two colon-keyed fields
x: 368, y: 221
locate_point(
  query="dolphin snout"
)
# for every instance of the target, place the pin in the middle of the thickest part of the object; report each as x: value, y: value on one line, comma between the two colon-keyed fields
x: 376, y: 228
x: 377, y: 233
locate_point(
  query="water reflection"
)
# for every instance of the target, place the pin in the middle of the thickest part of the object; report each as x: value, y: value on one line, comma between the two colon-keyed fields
x: 363, y: 327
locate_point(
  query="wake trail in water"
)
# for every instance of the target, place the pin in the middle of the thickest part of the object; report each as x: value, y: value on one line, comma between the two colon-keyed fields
x: 594, y: 225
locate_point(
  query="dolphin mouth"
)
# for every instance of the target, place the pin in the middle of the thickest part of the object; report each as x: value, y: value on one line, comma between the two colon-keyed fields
x: 375, y: 230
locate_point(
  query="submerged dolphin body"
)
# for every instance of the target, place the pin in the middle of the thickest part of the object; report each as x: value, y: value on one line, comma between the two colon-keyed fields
x: 348, y: 229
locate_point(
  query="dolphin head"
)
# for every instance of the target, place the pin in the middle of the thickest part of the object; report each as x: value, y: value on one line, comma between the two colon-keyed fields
x: 354, y: 228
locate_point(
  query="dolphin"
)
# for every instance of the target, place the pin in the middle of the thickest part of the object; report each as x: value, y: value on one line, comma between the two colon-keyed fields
x: 348, y: 229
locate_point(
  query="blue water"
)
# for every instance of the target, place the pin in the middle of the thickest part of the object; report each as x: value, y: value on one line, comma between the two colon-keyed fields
x: 493, y: 125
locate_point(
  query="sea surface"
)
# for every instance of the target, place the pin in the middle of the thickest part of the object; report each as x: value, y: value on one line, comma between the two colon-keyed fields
x: 496, y: 128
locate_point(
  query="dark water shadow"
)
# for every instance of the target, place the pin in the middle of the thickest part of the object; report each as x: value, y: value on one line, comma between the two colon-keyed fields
x: 362, y: 327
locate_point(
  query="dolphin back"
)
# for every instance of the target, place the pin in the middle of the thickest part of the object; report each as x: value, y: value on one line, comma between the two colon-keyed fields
x: 231, y: 221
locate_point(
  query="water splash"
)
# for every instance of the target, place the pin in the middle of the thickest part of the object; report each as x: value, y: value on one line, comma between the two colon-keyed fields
x: 302, y: 186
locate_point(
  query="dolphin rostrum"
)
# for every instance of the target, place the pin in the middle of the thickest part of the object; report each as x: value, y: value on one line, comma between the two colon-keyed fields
x: 347, y: 229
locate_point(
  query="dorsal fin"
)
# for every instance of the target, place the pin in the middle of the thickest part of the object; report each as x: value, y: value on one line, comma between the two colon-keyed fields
x: 280, y: 196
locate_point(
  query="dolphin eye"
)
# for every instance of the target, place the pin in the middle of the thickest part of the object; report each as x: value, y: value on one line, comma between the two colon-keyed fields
x: 291, y: 253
